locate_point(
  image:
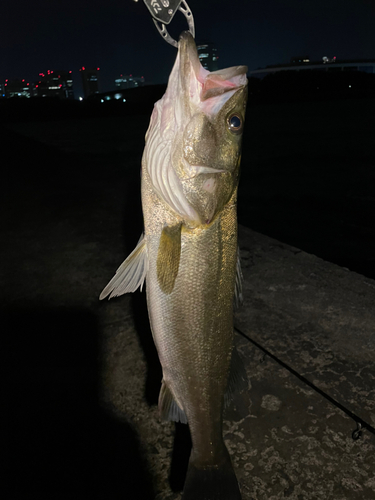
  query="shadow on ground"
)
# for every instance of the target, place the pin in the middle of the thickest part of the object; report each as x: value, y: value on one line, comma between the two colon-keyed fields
x: 61, y: 443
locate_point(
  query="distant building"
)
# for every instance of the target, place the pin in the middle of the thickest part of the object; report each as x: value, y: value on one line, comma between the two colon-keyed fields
x: 129, y: 82
x: 17, y: 88
x: 300, y: 59
x: 90, y: 81
x: 208, y: 57
x: 55, y: 83
x: 327, y: 64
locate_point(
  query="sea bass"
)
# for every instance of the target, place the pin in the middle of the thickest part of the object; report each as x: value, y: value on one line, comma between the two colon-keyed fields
x: 189, y: 256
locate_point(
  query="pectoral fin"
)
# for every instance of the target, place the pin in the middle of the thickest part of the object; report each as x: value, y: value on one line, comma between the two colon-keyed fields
x: 131, y: 274
x: 168, y: 259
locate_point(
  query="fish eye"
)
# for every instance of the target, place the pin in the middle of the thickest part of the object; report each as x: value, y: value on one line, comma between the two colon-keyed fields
x: 235, y: 123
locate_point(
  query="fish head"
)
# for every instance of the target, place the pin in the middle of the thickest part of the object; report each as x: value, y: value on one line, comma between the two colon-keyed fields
x: 200, y: 119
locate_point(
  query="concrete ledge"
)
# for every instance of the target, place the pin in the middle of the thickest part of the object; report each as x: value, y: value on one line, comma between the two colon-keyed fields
x: 315, y: 316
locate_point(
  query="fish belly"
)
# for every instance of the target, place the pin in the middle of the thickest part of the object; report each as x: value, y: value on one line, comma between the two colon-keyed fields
x: 192, y: 325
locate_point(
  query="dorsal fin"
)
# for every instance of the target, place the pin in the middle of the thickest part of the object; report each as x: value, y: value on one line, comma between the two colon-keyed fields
x: 238, y: 380
x: 131, y: 274
x: 238, y: 297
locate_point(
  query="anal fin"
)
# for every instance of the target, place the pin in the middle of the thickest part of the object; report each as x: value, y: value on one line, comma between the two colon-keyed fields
x: 169, y: 409
x: 131, y: 274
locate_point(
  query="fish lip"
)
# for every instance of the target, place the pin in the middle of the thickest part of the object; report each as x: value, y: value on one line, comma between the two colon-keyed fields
x: 187, y: 47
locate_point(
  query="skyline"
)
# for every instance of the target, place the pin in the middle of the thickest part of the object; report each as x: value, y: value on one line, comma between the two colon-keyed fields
x: 120, y: 37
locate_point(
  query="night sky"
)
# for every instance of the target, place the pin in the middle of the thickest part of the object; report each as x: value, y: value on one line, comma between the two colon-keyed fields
x: 120, y: 38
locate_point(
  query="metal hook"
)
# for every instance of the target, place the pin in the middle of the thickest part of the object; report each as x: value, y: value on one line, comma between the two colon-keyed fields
x: 163, y: 12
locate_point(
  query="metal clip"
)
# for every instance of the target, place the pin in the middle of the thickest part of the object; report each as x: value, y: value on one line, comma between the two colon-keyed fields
x: 163, y: 12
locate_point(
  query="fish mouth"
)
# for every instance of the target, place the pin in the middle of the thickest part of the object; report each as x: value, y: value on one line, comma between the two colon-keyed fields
x: 213, y: 83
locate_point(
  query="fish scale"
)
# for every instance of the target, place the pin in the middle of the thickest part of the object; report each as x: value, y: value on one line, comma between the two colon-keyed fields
x: 198, y: 310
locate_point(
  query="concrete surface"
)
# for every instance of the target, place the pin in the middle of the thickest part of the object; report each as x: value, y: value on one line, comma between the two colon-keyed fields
x: 82, y: 377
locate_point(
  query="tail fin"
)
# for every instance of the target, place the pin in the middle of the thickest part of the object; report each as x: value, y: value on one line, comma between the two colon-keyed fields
x: 215, y: 482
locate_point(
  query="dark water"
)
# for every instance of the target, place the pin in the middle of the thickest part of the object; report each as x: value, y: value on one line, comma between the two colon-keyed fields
x: 308, y: 173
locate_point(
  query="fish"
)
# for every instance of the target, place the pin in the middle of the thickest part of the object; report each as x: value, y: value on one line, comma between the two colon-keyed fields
x: 188, y: 256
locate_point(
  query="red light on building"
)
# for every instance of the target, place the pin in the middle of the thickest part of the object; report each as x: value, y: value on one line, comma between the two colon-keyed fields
x: 6, y: 84
x: 36, y: 86
x: 97, y: 69
x: 83, y: 68
x: 69, y: 71
x: 27, y: 83
x: 60, y: 85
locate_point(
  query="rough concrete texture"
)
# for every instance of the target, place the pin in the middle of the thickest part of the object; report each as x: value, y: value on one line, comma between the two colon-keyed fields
x: 83, y: 377
x: 316, y: 317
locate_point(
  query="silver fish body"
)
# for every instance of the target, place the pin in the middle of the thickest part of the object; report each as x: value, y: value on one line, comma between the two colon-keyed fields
x: 188, y: 256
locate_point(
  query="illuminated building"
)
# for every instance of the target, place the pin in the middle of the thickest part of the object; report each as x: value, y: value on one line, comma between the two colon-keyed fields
x: 208, y: 57
x: 90, y: 81
x: 129, y: 82
x: 55, y: 83
x: 17, y: 88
